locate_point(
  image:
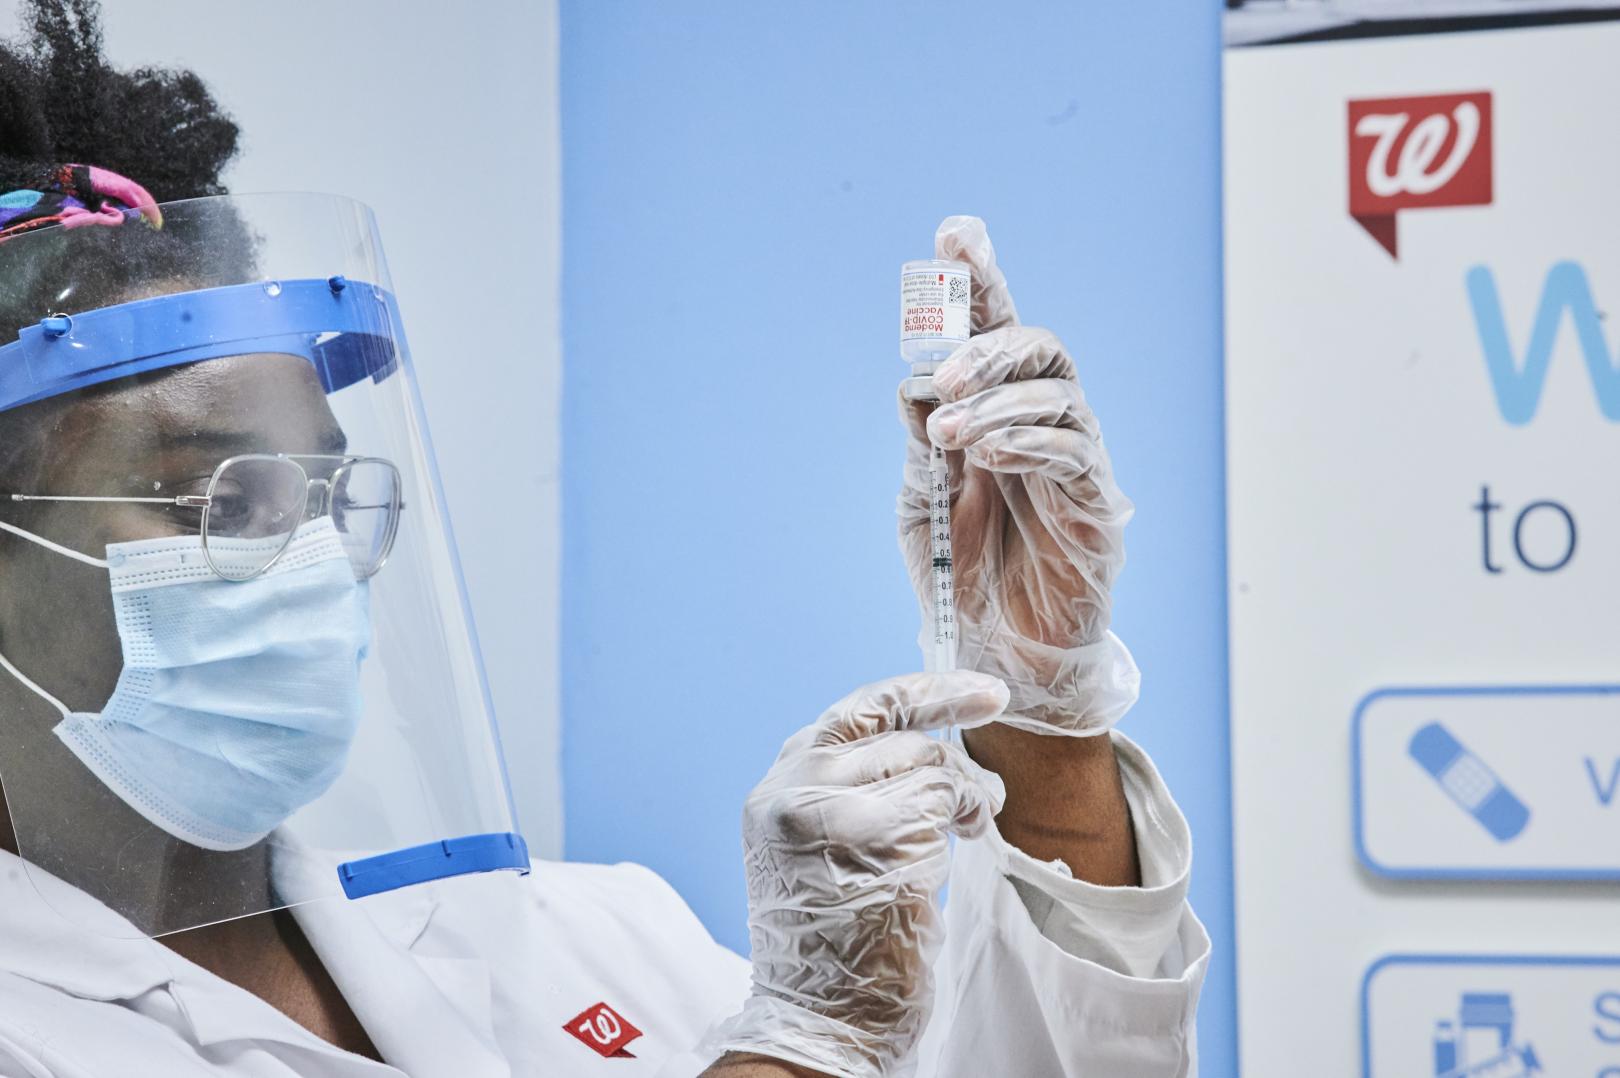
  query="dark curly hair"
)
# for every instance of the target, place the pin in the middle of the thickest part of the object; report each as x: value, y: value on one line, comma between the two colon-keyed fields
x: 61, y: 102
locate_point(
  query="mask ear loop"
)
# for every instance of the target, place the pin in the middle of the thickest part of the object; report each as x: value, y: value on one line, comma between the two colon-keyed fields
x: 28, y: 683
x: 67, y: 552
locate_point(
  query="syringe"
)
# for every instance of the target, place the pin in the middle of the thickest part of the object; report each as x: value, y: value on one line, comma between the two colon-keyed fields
x: 943, y: 579
x: 935, y: 314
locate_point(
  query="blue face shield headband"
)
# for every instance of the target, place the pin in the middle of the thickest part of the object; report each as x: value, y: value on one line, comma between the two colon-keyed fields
x: 346, y: 329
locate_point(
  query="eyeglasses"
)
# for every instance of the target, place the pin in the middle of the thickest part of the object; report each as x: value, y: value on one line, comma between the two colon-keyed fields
x: 255, y: 502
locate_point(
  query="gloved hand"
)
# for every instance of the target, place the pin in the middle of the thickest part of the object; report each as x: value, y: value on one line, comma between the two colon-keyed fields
x: 845, y: 849
x: 1037, y: 522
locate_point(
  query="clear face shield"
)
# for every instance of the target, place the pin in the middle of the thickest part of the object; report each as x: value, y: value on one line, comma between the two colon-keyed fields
x: 238, y: 668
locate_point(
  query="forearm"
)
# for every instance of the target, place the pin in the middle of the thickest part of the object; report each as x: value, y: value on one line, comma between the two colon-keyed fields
x: 740, y: 1065
x: 1065, y: 801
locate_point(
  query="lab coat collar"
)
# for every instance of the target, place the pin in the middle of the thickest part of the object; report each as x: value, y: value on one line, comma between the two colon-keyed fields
x: 296, y: 869
x: 57, y: 935
x: 381, y: 954
x: 54, y: 934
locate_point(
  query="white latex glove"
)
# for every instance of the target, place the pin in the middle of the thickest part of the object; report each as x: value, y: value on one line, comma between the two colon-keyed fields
x: 1037, y: 521
x: 846, y: 852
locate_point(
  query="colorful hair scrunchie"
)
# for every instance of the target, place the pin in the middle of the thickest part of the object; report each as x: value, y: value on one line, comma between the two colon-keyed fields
x: 73, y: 196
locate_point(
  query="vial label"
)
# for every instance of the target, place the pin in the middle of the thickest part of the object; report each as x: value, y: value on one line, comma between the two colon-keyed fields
x: 935, y: 305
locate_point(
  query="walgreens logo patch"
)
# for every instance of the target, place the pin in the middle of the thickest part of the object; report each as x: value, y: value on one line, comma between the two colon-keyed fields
x: 1412, y: 153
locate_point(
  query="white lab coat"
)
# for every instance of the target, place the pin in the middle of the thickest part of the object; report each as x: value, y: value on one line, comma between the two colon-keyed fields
x: 475, y: 977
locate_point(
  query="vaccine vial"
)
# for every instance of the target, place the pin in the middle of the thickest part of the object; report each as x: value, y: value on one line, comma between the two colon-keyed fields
x: 936, y: 302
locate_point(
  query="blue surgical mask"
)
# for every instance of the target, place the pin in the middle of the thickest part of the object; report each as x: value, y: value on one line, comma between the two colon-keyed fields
x: 238, y: 701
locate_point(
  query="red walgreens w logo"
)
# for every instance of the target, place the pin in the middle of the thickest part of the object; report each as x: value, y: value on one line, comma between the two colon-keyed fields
x: 1409, y: 153
x: 603, y: 1030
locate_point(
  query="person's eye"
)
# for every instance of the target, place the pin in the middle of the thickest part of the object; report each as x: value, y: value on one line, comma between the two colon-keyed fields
x: 228, y: 510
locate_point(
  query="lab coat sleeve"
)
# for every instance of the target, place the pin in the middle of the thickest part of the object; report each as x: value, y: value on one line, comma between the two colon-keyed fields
x: 1047, y: 975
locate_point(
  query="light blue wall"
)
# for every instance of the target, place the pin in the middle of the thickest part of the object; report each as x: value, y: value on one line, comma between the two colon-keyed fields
x: 740, y: 182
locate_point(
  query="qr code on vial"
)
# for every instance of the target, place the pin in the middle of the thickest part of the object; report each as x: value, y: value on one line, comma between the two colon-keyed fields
x: 958, y: 291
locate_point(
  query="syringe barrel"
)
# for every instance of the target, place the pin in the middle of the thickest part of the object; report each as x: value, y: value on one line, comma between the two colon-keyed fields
x: 942, y: 572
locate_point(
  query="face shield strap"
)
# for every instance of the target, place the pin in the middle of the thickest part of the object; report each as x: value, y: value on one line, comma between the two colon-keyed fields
x: 434, y: 861
x: 345, y: 329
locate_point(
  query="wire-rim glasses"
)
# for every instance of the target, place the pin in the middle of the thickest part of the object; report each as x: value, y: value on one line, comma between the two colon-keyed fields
x: 255, y: 502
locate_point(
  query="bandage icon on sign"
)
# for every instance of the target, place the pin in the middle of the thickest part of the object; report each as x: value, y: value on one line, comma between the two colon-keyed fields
x: 1473, y: 786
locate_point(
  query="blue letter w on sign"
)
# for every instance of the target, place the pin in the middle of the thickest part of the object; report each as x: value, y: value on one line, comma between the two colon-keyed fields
x: 1518, y: 386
